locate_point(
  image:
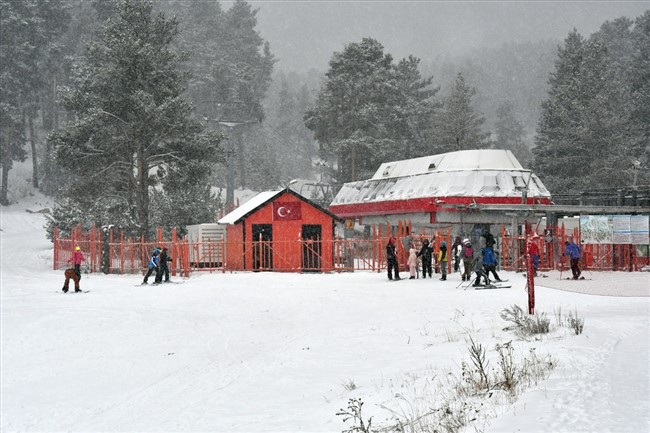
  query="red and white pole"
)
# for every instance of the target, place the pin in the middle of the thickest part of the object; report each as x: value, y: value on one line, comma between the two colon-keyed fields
x: 530, y: 272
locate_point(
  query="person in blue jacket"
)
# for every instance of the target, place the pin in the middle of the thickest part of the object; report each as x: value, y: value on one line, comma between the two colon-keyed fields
x: 573, y: 251
x: 490, y: 262
x: 153, y: 264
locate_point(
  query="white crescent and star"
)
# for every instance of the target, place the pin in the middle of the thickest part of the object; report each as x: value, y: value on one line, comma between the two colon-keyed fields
x: 282, y: 213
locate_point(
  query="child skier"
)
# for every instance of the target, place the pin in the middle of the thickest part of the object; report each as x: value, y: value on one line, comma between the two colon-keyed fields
x: 467, y: 256
x: 71, y: 274
x: 413, y: 262
x: 442, y: 260
x: 76, y: 259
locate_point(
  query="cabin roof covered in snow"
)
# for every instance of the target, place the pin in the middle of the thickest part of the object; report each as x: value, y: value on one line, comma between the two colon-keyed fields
x: 466, y: 173
x: 249, y: 206
x: 265, y: 197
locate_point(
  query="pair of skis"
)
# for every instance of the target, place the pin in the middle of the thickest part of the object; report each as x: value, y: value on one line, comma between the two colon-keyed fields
x: 494, y: 285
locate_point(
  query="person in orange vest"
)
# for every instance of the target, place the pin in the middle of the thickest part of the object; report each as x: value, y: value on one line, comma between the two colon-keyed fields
x: 76, y: 259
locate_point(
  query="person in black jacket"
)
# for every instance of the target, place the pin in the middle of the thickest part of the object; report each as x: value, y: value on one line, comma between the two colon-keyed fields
x: 162, y: 266
x: 426, y: 252
x: 391, y: 258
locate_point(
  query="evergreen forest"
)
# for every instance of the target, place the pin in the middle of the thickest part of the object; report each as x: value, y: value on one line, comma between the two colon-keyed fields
x: 141, y: 114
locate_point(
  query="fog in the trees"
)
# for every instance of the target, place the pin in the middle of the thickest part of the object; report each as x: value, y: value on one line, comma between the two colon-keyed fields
x: 303, y: 34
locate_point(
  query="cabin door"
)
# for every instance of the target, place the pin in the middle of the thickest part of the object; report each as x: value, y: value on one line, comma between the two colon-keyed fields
x: 312, y: 236
x: 262, y: 247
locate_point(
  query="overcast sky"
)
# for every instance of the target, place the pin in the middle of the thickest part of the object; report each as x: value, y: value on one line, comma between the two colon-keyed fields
x: 304, y: 34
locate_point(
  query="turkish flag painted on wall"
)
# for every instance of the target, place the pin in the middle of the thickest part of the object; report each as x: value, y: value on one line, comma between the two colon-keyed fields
x: 286, y: 211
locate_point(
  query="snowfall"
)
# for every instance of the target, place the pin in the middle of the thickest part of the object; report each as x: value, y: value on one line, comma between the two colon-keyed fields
x: 280, y: 352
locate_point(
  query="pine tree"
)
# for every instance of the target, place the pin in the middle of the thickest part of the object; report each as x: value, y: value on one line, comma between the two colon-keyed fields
x: 134, y: 130
x: 367, y: 109
x: 27, y: 28
x: 587, y: 136
x: 416, y: 108
x: 640, y: 97
x: 458, y: 127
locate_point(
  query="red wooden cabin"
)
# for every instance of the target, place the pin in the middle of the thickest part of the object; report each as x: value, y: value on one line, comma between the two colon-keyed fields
x: 280, y: 231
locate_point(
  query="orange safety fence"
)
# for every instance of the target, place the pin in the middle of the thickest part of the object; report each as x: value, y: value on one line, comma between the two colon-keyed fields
x: 111, y: 252
x: 604, y: 257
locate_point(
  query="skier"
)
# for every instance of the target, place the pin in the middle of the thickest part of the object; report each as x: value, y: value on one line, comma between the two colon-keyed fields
x: 153, y: 264
x: 573, y: 251
x: 76, y: 259
x: 162, y: 264
x: 71, y: 274
x: 477, y: 264
x: 391, y: 258
x: 490, y: 262
x: 413, y: 262
x: 442, y: 260
x: 533, y: 250
x: 426, y: 253
x: 456, y: 250
x: 467, y: 256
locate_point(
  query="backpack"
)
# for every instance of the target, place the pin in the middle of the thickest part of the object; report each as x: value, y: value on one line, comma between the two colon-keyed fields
x: 467, y: 251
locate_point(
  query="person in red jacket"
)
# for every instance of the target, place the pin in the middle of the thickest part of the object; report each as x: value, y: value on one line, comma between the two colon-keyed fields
x: 533, y: 250
x: 76, y: 259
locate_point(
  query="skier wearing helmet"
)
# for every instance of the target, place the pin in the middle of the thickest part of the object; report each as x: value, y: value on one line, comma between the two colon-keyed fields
x: 76, y: 259
x: 442, y: 260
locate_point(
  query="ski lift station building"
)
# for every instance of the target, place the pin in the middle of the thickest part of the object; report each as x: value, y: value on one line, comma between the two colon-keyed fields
x: 463, y: 187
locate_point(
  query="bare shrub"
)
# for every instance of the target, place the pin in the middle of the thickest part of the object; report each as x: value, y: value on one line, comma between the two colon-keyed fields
x: 349, y: 385
x: 576, y: 323
x: 525, y: 325
x: 557, y: 312
x: 509, y: 371
x: 353, y: 412
x: 477, y: 356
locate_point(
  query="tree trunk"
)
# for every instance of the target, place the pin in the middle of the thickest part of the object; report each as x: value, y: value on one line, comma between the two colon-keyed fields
x: 32, y: 140
x: 241, y: 154
x: 142, y: 192
x: 6, y: 166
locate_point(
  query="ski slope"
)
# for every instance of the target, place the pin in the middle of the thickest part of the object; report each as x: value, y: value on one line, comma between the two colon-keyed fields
x: 271, y: 352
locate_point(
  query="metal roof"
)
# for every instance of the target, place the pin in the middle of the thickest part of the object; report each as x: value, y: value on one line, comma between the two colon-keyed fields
x: 467, y: 173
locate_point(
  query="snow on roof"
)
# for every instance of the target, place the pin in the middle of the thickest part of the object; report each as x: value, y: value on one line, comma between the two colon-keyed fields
x: 467, y: 173
x: 249, y: 206
x: 480, y: 159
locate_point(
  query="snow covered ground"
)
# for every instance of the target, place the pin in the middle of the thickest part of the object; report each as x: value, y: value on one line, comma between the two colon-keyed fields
x: 270, y: 352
